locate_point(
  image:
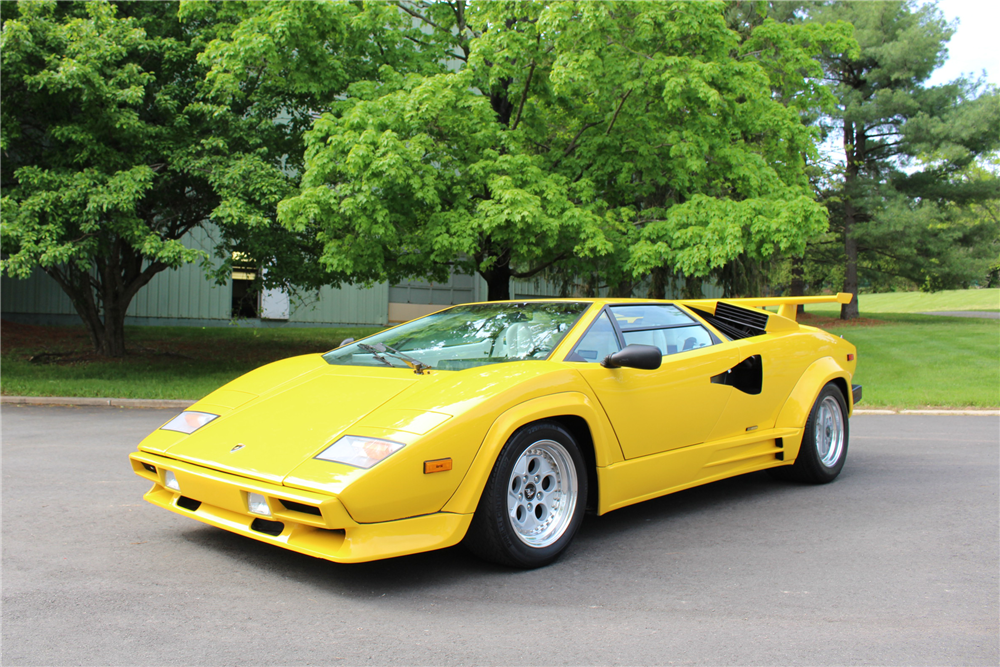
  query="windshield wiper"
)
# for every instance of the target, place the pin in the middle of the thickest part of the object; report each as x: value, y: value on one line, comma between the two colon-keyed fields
x: 375, y: 353
x: 378, y: 349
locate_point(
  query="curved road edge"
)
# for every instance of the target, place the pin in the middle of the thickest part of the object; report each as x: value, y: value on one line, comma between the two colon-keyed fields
x: 170, y: 404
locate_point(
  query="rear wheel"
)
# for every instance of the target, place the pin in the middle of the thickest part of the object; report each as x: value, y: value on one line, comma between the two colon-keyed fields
x: 534, y: 500
x: 824, y: 441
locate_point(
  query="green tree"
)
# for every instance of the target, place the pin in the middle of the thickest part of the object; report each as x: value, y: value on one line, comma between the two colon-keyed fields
x: 895, y: 202
x: 98, y: 176
x: 620, y: 137
x: 118, y: 137
x: 271, y: 68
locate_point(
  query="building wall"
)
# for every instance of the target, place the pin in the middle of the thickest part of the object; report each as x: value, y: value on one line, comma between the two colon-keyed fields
x: 415, y: 298
x: 347, y: 305
x: 185, y: 293
x: 37, y: 294
x: 184, y: 296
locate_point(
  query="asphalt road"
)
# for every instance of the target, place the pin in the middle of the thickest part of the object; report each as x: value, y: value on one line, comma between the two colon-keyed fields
x: 895, y: 563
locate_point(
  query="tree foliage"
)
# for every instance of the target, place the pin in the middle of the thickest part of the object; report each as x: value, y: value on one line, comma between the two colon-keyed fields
x: 900, y: 202
x: 618, y: 137
x: 270, y: 69
x: 119, y: 137
x: 101, y: 169
x: 610, y: 142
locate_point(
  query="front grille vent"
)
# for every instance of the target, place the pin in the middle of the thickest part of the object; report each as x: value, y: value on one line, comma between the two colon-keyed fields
x: 273, y: 528
x: 736, y: 322
x: 299, y: 507
x: 189, y: 504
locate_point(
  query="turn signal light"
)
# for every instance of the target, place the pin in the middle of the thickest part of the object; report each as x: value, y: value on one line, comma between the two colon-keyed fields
x: 850, y: 357
x: 437, y: 465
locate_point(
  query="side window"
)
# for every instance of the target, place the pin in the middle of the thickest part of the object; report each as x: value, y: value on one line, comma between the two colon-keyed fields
x: 663, y: 326
x: 597, y: 343
x: 655, y: 337
x: 672, y: 340
x: 651, y: 316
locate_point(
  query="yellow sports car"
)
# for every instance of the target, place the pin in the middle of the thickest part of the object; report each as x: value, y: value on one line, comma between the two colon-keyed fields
x: 498, y: 424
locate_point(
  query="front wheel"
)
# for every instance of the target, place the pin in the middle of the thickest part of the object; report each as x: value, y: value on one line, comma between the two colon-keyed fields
x: 534, y: 500
x: 824, y: 441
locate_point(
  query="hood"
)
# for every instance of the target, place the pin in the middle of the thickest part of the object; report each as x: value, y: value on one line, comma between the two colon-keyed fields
x: 279, y: 431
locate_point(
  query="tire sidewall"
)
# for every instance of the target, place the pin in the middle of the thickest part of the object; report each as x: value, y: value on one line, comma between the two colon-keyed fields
x: 519, y: 552
x: 810, y: 456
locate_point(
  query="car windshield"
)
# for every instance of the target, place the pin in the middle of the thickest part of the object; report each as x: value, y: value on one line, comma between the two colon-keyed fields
x: 466, y: 337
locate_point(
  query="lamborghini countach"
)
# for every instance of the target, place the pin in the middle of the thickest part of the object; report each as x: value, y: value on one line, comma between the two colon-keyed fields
x: 498, y: 425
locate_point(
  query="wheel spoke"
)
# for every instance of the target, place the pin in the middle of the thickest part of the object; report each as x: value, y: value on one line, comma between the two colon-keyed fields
x: 829, y: 431
x: 542, y: 488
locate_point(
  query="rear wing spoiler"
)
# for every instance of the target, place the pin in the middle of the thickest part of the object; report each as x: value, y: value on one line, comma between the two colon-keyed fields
x: 787, y: 305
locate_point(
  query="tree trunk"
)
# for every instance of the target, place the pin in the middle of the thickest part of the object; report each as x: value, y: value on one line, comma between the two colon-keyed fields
x: 76, y: 285
x: 118, y: 278
x: 854, y: 149
x: 849, y: 311
x: 621, y: 290
x: 798, y: 284
x: 112, y: 343
x: 497, y: 283
x: 693, y: 287
x: 658, y: 283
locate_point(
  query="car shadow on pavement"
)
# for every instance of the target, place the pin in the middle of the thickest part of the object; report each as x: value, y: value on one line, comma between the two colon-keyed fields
x: 598, y: 539
x: 708, y: 500
x: 351, y: 579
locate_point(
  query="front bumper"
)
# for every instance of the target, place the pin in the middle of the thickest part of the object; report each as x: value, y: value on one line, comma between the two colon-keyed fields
x: 310, y: 523
x: 856, y: 393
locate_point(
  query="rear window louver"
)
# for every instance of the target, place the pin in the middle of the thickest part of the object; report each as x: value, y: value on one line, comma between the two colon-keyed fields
x: 736, y: 322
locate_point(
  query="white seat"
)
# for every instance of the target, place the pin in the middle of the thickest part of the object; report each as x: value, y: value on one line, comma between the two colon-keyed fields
x: 654, y: 338
x: 518, y: 340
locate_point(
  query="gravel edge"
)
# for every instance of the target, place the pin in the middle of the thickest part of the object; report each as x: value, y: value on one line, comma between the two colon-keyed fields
x: 81, y: 402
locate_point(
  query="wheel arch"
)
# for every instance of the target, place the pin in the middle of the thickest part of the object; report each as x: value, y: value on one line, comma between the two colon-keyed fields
x: 574, y: 411
x: 845, y: 389
x: 796, y: 409
x: 580, y: 430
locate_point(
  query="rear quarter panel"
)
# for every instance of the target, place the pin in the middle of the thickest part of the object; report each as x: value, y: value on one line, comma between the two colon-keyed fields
x: 833, y: 367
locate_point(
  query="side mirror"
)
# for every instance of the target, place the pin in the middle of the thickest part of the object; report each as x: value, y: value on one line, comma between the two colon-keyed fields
x: 646, y: 357
x: 346, y: 341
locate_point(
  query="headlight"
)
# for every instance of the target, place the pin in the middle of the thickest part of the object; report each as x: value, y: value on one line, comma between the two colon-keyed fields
x: 359, y: 452
x: 188, y: 422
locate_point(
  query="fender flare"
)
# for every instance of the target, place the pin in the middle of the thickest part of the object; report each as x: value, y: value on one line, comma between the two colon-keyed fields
x: 570, y: 403
x: 796, y: 409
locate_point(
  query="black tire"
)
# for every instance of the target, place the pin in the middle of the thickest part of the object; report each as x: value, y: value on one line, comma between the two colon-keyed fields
x: 824, y: 441
x: 527, y: 520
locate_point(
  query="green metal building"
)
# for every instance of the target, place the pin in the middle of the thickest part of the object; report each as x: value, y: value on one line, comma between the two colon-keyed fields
x: 184, y: 297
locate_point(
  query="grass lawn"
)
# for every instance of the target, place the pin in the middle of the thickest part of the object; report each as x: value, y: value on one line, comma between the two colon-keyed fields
x: 920, y: 361
x: 163, y: 362
x: 904, y: 360
x: 922, y: 302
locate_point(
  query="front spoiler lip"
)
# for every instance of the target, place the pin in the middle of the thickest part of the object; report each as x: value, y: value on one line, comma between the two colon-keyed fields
x: 335, y: 536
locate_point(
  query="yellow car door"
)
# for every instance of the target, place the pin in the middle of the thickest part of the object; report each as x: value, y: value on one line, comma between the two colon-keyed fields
x: 676, y: 405
x: 756, y: 408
